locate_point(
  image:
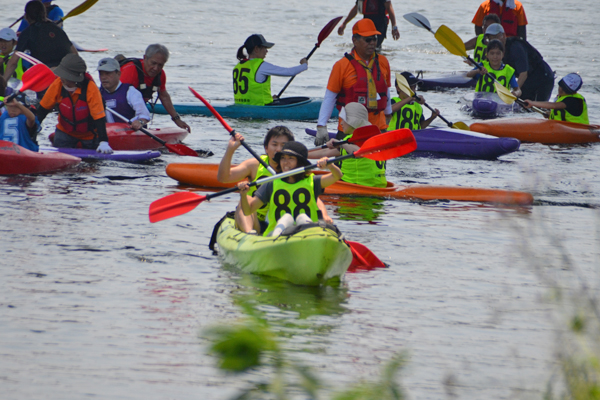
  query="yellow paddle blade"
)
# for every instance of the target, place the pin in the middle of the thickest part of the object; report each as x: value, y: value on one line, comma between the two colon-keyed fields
x: 451, y: 41
x: 461, y: 125
x: 83, y: 7
x: 504, y: 94
x: 403, y: 84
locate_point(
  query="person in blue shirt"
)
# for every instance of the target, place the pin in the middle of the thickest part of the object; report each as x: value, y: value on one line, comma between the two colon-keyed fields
x: 19, y: 125
x: 53, y: 12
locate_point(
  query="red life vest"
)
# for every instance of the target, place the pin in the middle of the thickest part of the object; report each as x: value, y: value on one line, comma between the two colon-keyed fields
x: 508, y: 18
x: 75, y: 117
x: 147, y: 91
x: 371, y: 7
x: 360, y: 91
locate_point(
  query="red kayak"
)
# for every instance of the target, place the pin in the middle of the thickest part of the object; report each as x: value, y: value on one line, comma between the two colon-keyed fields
x: 15, y: 160
x: 122, y: 137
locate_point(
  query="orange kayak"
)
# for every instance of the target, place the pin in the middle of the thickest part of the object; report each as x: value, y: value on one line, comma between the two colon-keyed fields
x: 535, y: 130
x: 205, y: 175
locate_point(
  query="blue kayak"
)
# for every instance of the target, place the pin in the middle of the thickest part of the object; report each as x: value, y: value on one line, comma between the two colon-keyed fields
x: 456, y: 143
x: 290, y: 108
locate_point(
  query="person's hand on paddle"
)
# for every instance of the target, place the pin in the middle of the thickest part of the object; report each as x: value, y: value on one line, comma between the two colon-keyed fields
x: 322, y: 163
x: 322, y: 136
x: 235, y: 141
x: 104, y: 148
x: 420, y: 99
x: 304, y: 61
x: 243, y: 187
x: 331, y: 144
x: 138, y: 124
x: 517, y: 92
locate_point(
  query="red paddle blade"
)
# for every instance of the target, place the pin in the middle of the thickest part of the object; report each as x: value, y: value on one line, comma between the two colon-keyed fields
x: 37, y: 78
x: 211, y: 108
x: 363, y: 258
x: 181, y: 149
x: 327, y: 30
x: 362, y: 134
x: 173, y: 205
x: 388, y: 145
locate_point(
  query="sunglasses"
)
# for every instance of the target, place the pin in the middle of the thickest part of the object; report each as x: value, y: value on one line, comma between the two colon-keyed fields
x: 370, y: 39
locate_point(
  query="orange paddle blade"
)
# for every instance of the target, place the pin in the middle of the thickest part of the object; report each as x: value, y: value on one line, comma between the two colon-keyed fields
x: 363, y: 258
x: 174, y: 205
x: 37, y: 78
x: 388, y: 145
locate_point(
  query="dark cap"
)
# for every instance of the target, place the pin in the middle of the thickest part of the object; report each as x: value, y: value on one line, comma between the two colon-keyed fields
x: 256, y: 40
x: 71, y: 67
x: 295, y: 149
x: 410, y: 78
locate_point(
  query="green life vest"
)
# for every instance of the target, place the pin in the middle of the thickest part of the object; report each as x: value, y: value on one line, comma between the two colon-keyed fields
x: 409, y: 116
x: 261, y: 172
x: 563, y: 115
x: 363, y: 171
x: 480, y: 52
x: 18, y: 71
x: 292, y: 198
x: 245, y: 88
x: 504, y: 75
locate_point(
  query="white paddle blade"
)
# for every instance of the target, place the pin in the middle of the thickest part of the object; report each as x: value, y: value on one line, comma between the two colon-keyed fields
x: 418, y: 20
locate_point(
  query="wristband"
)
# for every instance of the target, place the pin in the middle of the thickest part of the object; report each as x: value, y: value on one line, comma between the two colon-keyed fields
x: 394, y: 28
x: 176, y: 118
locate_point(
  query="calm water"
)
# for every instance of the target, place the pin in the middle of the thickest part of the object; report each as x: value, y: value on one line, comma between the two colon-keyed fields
x: 96, y: 301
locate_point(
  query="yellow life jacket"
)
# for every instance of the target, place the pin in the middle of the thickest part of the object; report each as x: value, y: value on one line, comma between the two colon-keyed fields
x: 245, y: 88
x: 504, y: 75
x: 563, y: 115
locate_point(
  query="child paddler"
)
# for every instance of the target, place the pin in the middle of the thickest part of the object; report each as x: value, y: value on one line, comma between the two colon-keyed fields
x: 252, y: 170
x: 569, y: 105
x: 407, y: 111
x: 361, y: 171
x: 503, y: 73
x: 479, y: 43
x: 291, y: 198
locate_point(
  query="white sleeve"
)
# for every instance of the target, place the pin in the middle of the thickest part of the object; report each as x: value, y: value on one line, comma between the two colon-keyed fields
x: 136, y: 101
x: 267, y: 69
x: 388, y: 107
x: 327, y: 107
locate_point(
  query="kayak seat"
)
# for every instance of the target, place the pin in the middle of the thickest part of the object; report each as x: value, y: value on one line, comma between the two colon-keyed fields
x: 287, y: 101
x: 295, y: 229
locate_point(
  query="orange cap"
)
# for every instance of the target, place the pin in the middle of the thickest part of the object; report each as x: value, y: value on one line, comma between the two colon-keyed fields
x: 365, y: 27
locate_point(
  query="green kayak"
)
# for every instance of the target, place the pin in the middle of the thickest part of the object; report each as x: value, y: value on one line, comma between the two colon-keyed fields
x: 310, y: 254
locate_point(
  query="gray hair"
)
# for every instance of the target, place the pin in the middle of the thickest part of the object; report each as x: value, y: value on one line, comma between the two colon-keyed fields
x: 157, y: 49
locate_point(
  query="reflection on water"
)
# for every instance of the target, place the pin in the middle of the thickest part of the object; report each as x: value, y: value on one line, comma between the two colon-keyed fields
x: 362, y: 209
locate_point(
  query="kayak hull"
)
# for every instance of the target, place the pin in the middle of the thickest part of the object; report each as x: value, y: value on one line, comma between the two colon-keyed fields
x: 486, y: 105
x: 122, y: 137
x: 445, y: 81
x: 457, y: 143
x: 305, y: 109
x: 205, y: 175
x: 15, y: 160
x: 312, y: 257
x: 535, y: 130
x: 117, y: 155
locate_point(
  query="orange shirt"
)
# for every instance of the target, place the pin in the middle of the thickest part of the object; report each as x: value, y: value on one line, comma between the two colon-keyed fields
x: 343, y: 75
x: 53, y: 97
x: 484, y: 9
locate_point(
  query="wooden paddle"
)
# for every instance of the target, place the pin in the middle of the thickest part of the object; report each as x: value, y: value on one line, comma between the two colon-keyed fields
x: 322, y: 36
x: 379, y: 148
x: 36, y: 78
x: 232, y: 131
x: 405, y: 87
x: 359, y: 137
x: 76, y: 11
x: 180, y: 149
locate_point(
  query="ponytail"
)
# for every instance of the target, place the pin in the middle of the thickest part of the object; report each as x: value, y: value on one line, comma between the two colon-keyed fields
x: 240, y: 54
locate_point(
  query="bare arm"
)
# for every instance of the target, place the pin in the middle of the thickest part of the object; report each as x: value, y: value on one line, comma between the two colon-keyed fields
x: 249, y: 204
x: 471, y: 43
x: 11, y: 67
x: 390, y: 10
x: 428, y: 121
x: 398, y: 105
x: 74, y: 49
x: 545, y: 104
x: 323, y: 210
x: 478, y: 30
x: 165, y: 99
x: 349, y: 18
x: 246, y: 169
x: 333, y: 177
x: 522, y: 78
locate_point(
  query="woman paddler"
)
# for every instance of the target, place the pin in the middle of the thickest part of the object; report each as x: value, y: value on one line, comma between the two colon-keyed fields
x: 293, y: 198
x: 252, y: 170
x: 252, y: 75
x: 360, y: 171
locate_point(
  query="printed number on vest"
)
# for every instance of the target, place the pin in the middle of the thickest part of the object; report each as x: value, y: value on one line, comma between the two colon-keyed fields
x: 301, y: 198
x: 239, y: 76
x: 488, y: 82
x: 410, y: 119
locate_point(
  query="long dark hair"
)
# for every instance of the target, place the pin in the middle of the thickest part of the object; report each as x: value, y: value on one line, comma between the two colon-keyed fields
x: 35, y: 11
x: 240, y: 54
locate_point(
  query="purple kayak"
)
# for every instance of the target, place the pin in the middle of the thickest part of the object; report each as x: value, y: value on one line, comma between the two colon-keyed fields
x: 487, y: 105
x: 456, y: 143
x: 126, y: 156
x: 446, y: 81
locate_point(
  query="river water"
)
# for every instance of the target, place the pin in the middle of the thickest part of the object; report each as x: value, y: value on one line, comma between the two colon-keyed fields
x: 97, y: 302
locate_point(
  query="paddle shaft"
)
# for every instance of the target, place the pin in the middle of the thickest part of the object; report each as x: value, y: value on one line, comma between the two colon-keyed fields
x: 292, y: 78
x: 14, y: 23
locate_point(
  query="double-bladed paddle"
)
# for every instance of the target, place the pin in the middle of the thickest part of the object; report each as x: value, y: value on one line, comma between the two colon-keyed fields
x: 76, y: 11
x: 405, y: 87
x: 36, y: 78
x: 180, y: 149
x: 379, y: 148
x: 231, y: 131
x: 322, y: 36
x: 359, y: 137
